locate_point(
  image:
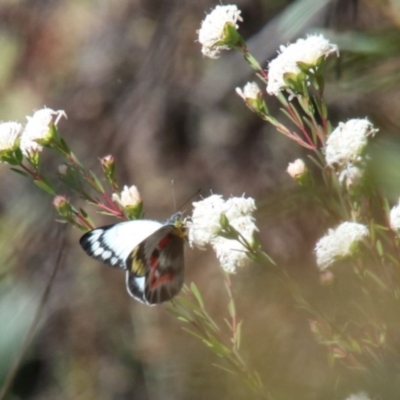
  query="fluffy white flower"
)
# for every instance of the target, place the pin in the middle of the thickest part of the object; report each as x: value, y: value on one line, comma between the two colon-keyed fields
x: 348, y: 141
x: 339, y: 243
x: 236, y: 207
x: 205, y: 221
x: 10, y: 133
x: 38, y: 129
x: 358, y: 396
x: 205, y: 225
x: 296, y: 169
x: 212, y: 31
x: 129, y: 197
x: 395, y: 217
x: 231, y: 253
x: 309, y: 51
x: 251, y: 91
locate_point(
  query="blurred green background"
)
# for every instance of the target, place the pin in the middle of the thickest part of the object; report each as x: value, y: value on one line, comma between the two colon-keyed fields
x: 131, y: 78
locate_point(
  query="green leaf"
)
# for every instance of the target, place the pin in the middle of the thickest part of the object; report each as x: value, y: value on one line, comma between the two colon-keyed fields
x: 195, y: 334
x: 228, y: 323
x: 18, y: 155
x: 183, y: 319
x: 44, y: 186
x: 224, y: 369
x: 18, y: 171
x: 64, y: 145
x: 379, y: 248
x: 98, y: 185
x: 239, y: 334
x: 196, y: 294
x: 231, y: 308
x: 375, y: 278
x: 83, y: 212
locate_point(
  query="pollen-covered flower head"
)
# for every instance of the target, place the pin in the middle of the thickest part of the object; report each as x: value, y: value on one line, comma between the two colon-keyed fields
x: 38, y: 130
x: 339, y: 243
x: 309, y: 52
x: 205, y: 221
x: 347, y: 143
x: 205, y: 228
x: 10, y: 133
x: 213, y: 35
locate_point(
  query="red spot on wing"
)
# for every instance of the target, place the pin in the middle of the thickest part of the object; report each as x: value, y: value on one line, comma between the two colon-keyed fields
x: 155, y: 281
x: 164, y: 242
x: 153, y: 261
x: 162, y: 279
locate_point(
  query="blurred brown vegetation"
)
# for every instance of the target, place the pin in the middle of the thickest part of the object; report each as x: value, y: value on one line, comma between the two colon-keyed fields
x: 131, y: 78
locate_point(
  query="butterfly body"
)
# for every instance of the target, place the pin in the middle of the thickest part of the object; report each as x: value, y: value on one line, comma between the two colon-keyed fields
x: 151, y: 253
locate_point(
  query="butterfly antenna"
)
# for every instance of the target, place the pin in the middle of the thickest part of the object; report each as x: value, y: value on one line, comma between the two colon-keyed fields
x: 190, y: 198
x: 173, y: 194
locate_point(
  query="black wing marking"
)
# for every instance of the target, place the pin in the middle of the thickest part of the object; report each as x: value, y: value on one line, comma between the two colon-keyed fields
x: 95, y: 245
x: 113, y: 244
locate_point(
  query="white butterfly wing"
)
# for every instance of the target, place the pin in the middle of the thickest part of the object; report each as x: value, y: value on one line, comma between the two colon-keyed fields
x: 112, y: 244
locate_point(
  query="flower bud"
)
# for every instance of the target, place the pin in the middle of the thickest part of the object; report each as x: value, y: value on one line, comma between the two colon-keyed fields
x: 253, y: 97
x: 108, y: 165
x: 62, y: 169
x: 297, y: 170
x: 107, y: 162
x: 62, y: 205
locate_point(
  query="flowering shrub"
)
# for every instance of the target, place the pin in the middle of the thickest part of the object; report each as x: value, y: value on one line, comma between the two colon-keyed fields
x: 363, y: 235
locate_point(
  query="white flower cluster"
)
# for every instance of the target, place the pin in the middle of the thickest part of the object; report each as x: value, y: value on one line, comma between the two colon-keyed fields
x: 10, y: 133
x: 346, y: 144
x: 212, y: 31
x: 38, y: 128
x: 205, y: 225
x: 358, y: 396
x: 310, y: 51
x: 339, y: 243
x: 345, y: 149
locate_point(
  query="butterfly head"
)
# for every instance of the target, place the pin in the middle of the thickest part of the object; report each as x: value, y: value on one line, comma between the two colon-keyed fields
x: 179, y: 223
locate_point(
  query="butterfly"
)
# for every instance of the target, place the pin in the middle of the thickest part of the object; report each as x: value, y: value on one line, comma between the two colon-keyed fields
x: 149, y: 251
